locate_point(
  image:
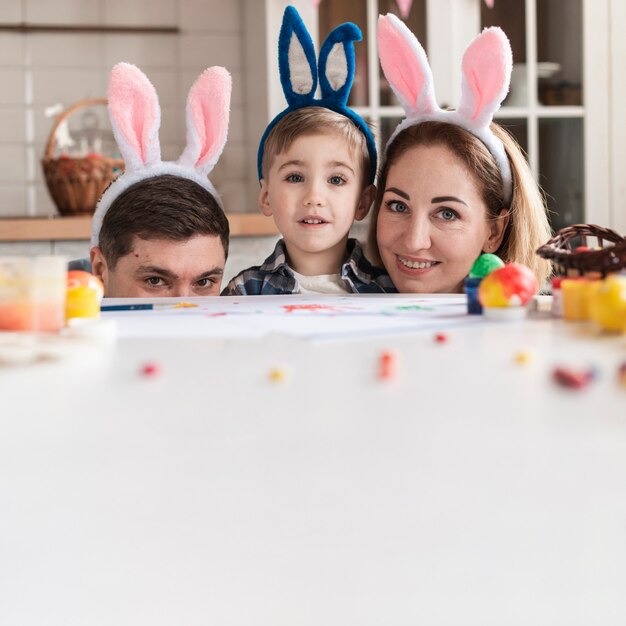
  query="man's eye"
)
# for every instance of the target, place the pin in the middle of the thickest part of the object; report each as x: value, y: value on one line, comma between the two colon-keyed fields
x: 295, y: 178
x: 448, y: 215
x: 155, y: 281
x: 336, y: 180
x: 397, y: 207
x: 205, y: 282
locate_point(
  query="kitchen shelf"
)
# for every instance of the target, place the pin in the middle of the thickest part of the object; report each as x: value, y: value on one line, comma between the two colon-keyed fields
x: 57, y: 228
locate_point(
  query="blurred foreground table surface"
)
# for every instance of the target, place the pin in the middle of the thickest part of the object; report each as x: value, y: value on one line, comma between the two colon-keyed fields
x: 466, y: 489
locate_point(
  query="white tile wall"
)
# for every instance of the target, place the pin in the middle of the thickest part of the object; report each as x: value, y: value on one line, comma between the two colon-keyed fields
x: 12, y: 81
x: 140, y: 12
x: 11, y: 11
x: 211, y: 16
x: 40, y: 69
x: 61, y: 11
x: 12, y: 125
x: 77, y: 50
x: 12, y: 163
x: 198, y: 51
x: 12, y: 198
x: 146, y: 51
x: 11, y: 47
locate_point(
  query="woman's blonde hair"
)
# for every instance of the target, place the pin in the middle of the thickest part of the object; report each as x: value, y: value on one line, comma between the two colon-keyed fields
x: 528, y: 226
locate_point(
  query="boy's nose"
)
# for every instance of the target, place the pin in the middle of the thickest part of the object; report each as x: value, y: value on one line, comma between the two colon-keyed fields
x: 313, y: 195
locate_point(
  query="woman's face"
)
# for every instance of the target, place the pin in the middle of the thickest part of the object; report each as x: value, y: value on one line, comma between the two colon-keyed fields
x: 432, y: 222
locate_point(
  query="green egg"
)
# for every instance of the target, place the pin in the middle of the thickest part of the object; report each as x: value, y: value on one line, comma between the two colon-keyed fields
x: 485, y: 264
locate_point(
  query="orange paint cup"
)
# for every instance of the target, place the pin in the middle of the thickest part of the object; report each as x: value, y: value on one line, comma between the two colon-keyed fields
x: 32, y: 293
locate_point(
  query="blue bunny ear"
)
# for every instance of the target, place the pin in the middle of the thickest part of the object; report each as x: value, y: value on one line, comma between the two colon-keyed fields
x: 296, y: 60
x: 336, y: 64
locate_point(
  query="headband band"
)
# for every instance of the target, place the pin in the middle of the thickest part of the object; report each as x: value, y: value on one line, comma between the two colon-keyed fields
x: 486, y: 68
x: 299, y: 76
x: 135, y: 117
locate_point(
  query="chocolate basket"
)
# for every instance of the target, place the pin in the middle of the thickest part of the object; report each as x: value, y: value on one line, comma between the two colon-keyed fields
x: 570, y: 250
x: 76, y: 183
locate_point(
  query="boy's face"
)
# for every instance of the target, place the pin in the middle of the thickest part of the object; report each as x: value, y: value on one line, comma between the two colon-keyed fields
x: 162, y: 268
x: 315, y: 191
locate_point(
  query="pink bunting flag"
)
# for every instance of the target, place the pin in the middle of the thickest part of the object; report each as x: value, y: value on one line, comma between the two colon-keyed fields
x: 315, y: 3
x: 405, y: 7
x: 489, y: 3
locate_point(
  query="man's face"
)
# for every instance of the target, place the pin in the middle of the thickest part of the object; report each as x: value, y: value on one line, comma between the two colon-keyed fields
x: 164, y: 268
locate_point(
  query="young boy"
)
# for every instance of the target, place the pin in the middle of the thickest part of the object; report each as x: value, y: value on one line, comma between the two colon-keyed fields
x: 317, y: 162
x: 163, y: 236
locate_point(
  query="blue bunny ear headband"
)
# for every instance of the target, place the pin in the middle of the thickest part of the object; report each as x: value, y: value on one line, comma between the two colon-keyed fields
x: 299, y: 75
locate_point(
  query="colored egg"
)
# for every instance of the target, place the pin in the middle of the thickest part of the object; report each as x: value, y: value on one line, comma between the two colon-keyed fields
x: 485, y: 264
x: 607, y: 306
x: 84, y: 292
x: 511, y: 285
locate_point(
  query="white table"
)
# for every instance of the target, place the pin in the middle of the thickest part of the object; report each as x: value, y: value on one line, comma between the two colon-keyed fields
x: 470, y: 490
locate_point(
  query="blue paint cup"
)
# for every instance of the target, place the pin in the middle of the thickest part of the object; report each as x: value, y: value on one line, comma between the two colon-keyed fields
x: 471, y: 289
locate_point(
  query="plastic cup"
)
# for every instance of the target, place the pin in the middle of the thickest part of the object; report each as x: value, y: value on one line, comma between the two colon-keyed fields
x: 471, y: 289
x: 32, y: 293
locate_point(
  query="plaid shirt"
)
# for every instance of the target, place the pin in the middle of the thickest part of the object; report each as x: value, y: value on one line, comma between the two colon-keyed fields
x: 275, y: 277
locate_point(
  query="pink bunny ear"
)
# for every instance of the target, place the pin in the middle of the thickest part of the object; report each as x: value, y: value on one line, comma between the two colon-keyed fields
x: 208, y: 109
x: 487, y: 64
x: 135, y: 116
x: 405, y: 66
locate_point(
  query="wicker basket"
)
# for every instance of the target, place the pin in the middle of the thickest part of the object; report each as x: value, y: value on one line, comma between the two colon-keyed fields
x: 563, y: 250
x: 76, y: 184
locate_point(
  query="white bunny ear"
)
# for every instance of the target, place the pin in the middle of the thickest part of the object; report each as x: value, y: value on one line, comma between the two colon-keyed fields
x: 487, y: 64
x: 207, y: 113
x: 135, y: 116
x: 406, y: 67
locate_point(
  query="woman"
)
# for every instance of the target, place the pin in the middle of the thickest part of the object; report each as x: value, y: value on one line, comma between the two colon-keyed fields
x: 452, y: 184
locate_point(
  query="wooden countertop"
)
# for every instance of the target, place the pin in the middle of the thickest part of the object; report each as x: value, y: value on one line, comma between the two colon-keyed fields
x: 56, y: 228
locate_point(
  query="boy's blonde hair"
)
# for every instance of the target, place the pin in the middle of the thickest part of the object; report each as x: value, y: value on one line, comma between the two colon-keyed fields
x: 314, y: 121
x: 528, y: 226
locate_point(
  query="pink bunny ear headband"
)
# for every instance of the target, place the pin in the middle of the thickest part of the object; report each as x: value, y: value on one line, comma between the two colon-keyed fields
x: 486, y: 69
x: 136, y: 116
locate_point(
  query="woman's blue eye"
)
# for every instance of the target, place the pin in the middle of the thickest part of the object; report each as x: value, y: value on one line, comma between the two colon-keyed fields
x: 295, y: 178
x: 397, y: 207
x: 448, y: 215
x: 336, y: 180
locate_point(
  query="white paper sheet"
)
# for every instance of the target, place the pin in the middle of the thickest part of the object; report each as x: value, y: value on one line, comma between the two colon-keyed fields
x: 307, y: 317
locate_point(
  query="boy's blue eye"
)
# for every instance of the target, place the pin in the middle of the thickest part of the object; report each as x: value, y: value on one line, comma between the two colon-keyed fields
x: 336, y: 180
x: 397, y: 207
x: 448, y: 215
x: 295, y: 178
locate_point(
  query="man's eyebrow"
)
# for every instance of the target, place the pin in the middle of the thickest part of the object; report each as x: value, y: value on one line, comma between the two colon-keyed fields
x: 401, y: 193
x: 153, y: 269
x: 216, y: 271
x: 447, y: 199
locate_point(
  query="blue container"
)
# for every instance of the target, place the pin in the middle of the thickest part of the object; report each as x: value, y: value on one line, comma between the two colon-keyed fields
x: 471, y: 289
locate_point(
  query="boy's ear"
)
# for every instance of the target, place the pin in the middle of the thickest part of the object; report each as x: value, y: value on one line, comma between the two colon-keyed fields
x: 264, y: 199
x: 497, y: 228
x: 99, y: 267
x: 365, y: 202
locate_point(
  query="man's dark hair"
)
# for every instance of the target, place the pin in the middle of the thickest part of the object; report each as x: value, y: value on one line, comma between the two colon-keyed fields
x: 163, y: 207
